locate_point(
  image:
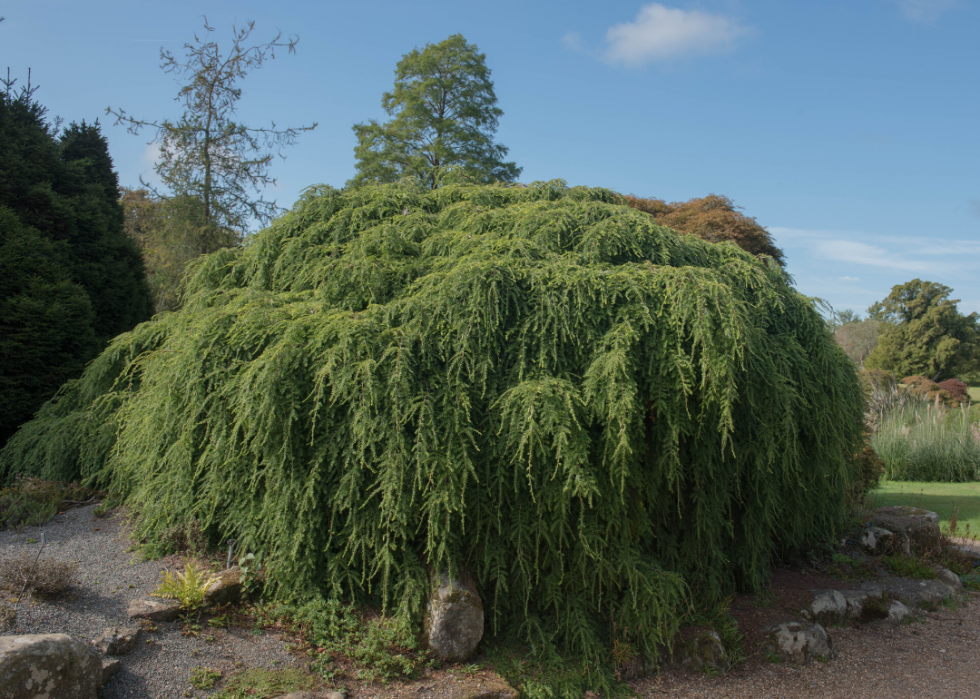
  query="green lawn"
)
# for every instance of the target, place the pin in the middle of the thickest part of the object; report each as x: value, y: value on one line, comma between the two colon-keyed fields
x: 941, y: 498
x: 974, y: 394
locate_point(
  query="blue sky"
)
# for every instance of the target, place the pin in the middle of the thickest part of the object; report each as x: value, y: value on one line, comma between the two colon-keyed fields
x: 850, y: 129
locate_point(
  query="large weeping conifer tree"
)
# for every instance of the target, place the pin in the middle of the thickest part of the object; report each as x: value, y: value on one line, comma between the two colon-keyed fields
x: 595, y: 416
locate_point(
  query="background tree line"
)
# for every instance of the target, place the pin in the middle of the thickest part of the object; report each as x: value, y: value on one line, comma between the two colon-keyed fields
x: 917, y: 330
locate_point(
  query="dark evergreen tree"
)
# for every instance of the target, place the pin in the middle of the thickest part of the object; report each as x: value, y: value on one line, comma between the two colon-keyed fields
x: 70, y: 279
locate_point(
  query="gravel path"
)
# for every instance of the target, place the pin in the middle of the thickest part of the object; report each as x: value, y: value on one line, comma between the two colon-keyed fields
x: 937, y: 659
x: 108, y: 578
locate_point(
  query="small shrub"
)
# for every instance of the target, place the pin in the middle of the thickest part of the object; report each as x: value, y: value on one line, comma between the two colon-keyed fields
x: 204, y: 678
x: 188, y: 587
x: 958, y: 390
x: 971, y: 582
x: 909, y: 567
x: 50, y: 577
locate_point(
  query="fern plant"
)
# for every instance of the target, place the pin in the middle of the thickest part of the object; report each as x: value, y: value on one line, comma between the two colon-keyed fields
x: 189, y: 588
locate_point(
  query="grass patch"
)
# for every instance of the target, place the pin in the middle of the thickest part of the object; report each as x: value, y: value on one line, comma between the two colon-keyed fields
x: 259, y: 683
x: 204, y: 678
x: 974, y: 392
x: 909, y: 567
x: 850, y: 569
x: 941, y: 498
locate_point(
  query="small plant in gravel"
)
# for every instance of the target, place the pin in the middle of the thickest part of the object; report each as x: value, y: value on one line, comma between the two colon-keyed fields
x: 188, y: 588
x: 8, y: 616
x: 204, y: 678
x: 909, y: 567
x: 381, y: 648
x: 50, y: 577
x: 260, y: 683
x: 971, y: 582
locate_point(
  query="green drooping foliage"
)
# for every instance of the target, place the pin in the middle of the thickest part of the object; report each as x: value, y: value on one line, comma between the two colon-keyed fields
x: 598, y: 418
x: 69, y: 277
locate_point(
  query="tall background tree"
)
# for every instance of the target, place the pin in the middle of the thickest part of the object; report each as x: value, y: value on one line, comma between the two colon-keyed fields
x: 70, y: 279
x: 213, y: 167
x: 921, y: 332
x: 445, y: 115
x: 713, y: 218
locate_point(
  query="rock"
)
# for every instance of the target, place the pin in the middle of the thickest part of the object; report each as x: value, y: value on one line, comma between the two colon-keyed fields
x: 328, y: 695
x: 109, y: 668
x: 856, y: 598
x: 829, y: 607
x: 115, y: 641
x: 932, y: 592
x: 307, y: 695
x: 453, y: 620
x: 703, y: 651
x: 877, y: 540
x: 227, y: 588
x: 950, y: 580
x: 896, y: 615
x: 53, y: 666
x: 916, y: 514
x: 925, y: 539
x: 796, y: 644
x: 154, y: 610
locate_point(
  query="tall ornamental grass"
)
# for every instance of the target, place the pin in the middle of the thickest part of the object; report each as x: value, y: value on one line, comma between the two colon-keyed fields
x: 921, y: 441
x: 599, y: 418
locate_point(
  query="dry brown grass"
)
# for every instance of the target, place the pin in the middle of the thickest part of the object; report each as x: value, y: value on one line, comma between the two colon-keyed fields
x: 50, y: 577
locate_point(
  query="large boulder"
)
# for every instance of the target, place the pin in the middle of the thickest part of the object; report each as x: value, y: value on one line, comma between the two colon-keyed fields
x: 897, y: 612
x: 703, y: 651
x: 950, y: 580
x: 51, y: 666
x: 153, y: 610
x: 227, y: 587
x: 792, y: 642
x: 116, y: 641
x: 828, y: 607
x: 453, y: 619
x: 932, y: 592
x: 877, y: 540
x: 857, y: 599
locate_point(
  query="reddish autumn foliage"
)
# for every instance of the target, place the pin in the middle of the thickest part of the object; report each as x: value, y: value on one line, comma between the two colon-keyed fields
x: 713, y: 218
x: 955, y: 388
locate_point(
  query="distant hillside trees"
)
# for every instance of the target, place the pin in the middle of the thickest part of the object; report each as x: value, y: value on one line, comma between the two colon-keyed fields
x: 923, y: 333
x: 713, y: 218
x: 70, y: 279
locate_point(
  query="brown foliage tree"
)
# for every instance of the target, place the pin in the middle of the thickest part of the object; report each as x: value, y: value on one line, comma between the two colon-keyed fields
x: 713, y: 218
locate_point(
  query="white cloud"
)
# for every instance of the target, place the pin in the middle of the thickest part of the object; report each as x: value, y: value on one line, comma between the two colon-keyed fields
x: 659, y: 33
x: 572, y: 41
x: 850, y: 279
x: 924, y: 10
x: 149, y: 158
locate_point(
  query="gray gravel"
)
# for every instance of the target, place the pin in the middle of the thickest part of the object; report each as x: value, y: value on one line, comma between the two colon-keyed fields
x: 109, y: 577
